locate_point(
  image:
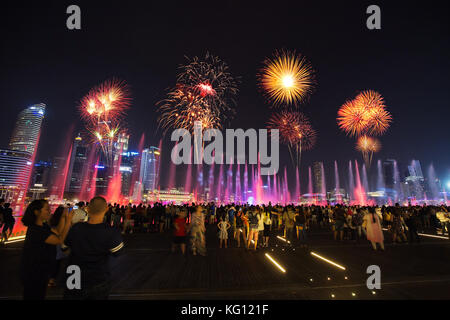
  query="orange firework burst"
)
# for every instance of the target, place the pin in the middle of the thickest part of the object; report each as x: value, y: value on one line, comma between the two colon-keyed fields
x: 183, y: 107
x: 365, y: 114
x: 351, y: 119
x: 287, y: 78
x: 368, y: 146
x: 374, y: 110
x: 295, y: 130
x: 370, y: 100
x: 379, y: 122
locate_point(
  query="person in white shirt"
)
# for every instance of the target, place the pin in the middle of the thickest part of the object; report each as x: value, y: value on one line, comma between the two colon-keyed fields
x: 79, y: 214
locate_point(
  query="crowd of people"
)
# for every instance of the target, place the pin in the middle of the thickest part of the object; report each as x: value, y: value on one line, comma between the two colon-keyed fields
x: 88, y: 233
x: 253, y: 225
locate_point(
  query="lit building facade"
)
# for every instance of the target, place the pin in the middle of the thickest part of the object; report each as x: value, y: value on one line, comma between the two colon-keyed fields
x: 128, y: 167
x: 27, y: 130
x: 15, y: 168
x: 41, y: 174
x: 148, y: 174
x: 77, y: 166
x: 169, y: 196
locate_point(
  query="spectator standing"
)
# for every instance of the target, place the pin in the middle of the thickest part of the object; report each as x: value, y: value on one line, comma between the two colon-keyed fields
x: 91, y: 244
x: 8, y: 222
x: 289, y: 222
x: 241, y: 230
x: 197, y: 230
x: 253, y: 218
x: 373, y: 229
x: 180, y: 232
x: 39, y: 249
x: 223, y: 226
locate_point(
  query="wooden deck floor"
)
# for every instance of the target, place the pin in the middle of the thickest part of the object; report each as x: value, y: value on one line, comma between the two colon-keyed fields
x: 148, y: 270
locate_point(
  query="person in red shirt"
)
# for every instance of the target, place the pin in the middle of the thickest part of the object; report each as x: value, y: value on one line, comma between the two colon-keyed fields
x: 180, y: 232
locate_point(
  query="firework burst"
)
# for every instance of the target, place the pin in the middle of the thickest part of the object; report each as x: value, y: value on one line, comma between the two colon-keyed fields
x: 286, y: 78
x: 205, y: 92
x: 295, y: 131
x: 103, y: 109
x: 379, y: 122
x: 374, y: 111
x: 366, y: 114
x: 106, y: 102
x: 368, y: 146
x: 183, y: 107
x: 351, y: 119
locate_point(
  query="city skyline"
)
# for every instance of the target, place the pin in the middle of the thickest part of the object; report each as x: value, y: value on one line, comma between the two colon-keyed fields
x: 140, y: 175
x: 408, y: 172
x: 417, y: 132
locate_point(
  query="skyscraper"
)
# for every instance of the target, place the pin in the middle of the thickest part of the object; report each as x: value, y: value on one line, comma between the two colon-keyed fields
x: 28, y: 128
x: 41, y: 174
x: 148, y: 174
x: 128, y: 167
x: 16, y: 164
x: 388, y: 174
x: 15, y: 168
x: 77, y: 166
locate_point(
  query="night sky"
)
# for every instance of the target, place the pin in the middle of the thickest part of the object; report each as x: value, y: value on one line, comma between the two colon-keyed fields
x: 143, y: 43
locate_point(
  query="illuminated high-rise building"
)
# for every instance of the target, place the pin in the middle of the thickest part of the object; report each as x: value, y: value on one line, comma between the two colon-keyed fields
x: 77, y: 166
x: 148, y: 174
x: 27, y: 130
x: 15, y: 168
x: 16, y: 164
x: 41, y: 174
x: 128, y: 167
